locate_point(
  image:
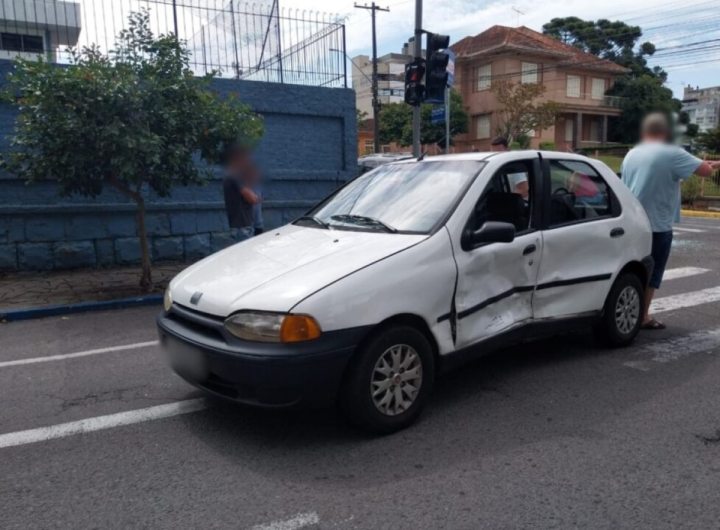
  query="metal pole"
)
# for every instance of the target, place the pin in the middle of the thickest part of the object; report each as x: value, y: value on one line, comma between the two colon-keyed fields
x: 447, y: 120
x: 345, y: 58
x: 375, y: 101
x: 175, y: 22
x: 235, y: 40
x: 418, y: 55
x: 279, y: 37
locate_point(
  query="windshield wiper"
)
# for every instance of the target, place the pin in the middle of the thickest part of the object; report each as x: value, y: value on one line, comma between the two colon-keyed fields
x: 363, y: 220
x: 313, y: 219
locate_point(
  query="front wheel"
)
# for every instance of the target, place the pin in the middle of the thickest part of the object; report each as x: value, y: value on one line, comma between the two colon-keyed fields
x: 622, y: 315
x: 389, y: 380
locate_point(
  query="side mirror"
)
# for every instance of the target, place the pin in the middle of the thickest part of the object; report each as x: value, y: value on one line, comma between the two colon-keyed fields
x: 489, y: 232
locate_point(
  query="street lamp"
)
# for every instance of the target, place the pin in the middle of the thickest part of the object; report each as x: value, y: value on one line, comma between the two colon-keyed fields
x: 375, y: 100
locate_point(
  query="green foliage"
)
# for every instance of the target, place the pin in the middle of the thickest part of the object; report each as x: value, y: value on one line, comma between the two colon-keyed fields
x: 522, y: 141
x: 396, y: 122
x: 709, y: 141
x: 547, y: 146
x: 522, y: 109
x: 692, y: 130
x: 642, y: 89
x: 690, y: 190
x: 134, y: 119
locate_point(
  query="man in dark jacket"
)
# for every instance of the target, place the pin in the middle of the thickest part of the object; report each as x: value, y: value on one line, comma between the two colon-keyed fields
x: 241, y: 176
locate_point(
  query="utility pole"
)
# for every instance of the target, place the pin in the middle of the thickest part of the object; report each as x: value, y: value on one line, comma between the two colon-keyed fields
x: 418, y: 56
x: 375, y: 101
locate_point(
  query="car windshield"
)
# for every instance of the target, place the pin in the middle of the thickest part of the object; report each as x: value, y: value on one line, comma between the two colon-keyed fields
x: 405, y: 197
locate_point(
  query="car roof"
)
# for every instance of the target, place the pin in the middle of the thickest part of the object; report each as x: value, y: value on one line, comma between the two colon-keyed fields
x: 501, y: 156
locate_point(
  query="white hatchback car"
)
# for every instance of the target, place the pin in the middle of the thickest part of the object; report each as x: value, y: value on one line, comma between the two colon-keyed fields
x: 405, y: 271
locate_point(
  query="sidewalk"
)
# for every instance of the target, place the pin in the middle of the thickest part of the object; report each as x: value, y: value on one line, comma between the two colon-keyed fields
x: 25, y: 290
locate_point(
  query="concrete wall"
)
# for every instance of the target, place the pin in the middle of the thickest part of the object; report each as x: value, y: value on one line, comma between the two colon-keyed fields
x: 309, y: 149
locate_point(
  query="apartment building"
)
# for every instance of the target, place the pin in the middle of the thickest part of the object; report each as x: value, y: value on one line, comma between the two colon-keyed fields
x: 576, y: 80
x: 702, y: 106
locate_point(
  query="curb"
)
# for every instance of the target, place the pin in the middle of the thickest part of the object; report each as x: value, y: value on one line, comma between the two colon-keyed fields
x: 28, y: 313
x: 700, y: 213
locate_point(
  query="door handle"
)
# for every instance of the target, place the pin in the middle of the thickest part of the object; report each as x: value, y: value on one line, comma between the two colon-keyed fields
x: 529, y: 250
x: 617, y: 232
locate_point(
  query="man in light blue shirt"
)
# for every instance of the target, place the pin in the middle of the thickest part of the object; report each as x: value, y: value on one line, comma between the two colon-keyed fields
x: 653, y: 170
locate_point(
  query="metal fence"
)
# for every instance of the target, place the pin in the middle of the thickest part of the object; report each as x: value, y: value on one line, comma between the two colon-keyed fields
x: 258, y: 41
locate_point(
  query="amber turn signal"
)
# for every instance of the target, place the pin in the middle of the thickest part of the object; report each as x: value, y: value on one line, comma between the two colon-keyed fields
x: 298, y: 328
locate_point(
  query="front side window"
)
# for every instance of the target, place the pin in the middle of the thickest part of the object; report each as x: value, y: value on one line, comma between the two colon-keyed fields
x: 404, y: 197
x: 577, y: 193
x: 598, y: 88
x: 507, y: 198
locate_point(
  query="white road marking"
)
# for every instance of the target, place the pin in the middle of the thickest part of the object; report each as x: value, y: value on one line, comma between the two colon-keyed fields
x: 685, y: 229
x: 679, y: 301
x: 683, y: 272
x: 98, y: 423
x: 33, y: 360
x: 301, y: 520
x: 674, y: 348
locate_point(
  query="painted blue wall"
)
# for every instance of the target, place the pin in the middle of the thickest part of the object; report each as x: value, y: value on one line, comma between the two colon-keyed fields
x: 309, y: 148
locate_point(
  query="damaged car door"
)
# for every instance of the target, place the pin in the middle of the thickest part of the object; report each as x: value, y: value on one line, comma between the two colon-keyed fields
x: 499, y: 260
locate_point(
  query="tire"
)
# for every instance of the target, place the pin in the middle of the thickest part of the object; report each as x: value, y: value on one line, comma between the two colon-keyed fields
x: 372, y: 370
x: 622, y: 314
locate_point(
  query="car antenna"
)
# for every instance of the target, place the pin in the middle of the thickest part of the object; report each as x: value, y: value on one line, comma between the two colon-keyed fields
x: 422, y: 155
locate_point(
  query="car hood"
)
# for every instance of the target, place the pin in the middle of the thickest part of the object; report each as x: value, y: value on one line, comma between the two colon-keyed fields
x: 276, y: 270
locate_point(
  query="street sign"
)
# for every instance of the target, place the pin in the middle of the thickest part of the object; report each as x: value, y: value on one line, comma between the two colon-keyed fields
x: 437, y: 115
x: 451, y: 68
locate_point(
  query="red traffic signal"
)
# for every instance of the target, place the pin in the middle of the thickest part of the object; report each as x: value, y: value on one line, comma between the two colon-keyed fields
x: 414, y: 88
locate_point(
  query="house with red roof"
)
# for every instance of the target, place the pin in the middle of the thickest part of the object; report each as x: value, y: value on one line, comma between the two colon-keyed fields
x: 578, y: 81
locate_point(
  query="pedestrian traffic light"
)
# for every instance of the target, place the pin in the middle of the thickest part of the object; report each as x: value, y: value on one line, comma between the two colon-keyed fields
x: 437, y: 63
x: 414, y: 88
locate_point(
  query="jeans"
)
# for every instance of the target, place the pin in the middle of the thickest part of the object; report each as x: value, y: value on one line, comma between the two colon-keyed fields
x: 242, y: 234
x: 661, y: 244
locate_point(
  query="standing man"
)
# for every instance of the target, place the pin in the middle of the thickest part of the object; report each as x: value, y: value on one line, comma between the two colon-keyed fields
x: 653, y: 170
x: 241, y: 177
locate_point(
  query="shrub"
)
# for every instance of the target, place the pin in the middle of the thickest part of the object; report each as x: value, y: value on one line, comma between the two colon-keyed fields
x: 690, y: 190
x: 547, y: 146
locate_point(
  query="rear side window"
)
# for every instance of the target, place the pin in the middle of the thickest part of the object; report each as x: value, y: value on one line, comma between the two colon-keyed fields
x: 577, y: 193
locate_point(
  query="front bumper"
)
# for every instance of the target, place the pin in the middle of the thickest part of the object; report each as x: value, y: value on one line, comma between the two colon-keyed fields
x: 203, y: 353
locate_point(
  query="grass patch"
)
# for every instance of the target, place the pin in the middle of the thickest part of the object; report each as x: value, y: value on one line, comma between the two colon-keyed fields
x: 613, y: 162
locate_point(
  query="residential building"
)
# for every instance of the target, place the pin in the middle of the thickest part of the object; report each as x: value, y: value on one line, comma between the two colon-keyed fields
x: 391, y: 79
x: 576, y: 80
x: 702, y: 106
x: 29, y: 28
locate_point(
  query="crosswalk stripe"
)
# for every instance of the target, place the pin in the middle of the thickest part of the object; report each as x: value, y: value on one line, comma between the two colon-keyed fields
x: 683, y: 272
x: 679, y: 301
x: 685, y: 229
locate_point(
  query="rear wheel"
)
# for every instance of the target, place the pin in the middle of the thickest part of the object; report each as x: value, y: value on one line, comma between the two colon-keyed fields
x: 622, y: 315
x: 389, y: 380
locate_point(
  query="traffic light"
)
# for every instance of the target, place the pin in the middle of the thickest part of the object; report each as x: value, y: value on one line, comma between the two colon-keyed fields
x: 414, y: 88
x: 437, y: 63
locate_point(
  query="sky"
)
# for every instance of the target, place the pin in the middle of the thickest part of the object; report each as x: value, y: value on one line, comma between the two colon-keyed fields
x: 666, y: 23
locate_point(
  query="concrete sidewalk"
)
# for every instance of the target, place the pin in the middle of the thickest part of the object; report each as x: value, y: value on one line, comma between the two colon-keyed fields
x: 24, y: 290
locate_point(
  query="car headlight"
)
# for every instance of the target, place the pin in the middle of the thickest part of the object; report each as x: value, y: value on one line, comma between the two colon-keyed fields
x: 167, y: 300
x: 272, y: 327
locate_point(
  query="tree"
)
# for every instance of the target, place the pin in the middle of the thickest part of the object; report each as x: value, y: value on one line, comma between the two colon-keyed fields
x: 642, y: 89
x: 133, y: 120
x: 523, y: 109
x: 396, y: 122
x: 710, y: 140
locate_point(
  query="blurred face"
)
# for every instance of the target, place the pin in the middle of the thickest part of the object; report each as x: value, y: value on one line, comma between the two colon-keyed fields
x: 240, y: 165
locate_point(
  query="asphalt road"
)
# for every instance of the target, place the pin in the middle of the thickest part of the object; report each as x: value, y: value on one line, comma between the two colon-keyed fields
x: 554, y: 434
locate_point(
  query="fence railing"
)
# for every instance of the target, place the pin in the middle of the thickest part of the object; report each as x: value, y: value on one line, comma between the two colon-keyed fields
x: 258, y: 40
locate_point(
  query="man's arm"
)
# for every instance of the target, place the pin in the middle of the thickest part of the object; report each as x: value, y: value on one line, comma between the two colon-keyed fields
x: 249, y: 195
x: 707, y: 167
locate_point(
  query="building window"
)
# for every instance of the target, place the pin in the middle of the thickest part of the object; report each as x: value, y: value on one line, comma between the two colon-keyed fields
x: 573, y: 86
x: 529, y: 73
x: 484, y: 77
x: 482, y: 126
x: 569, y: 130
x: 15, y: 42
x: 598, y: 88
